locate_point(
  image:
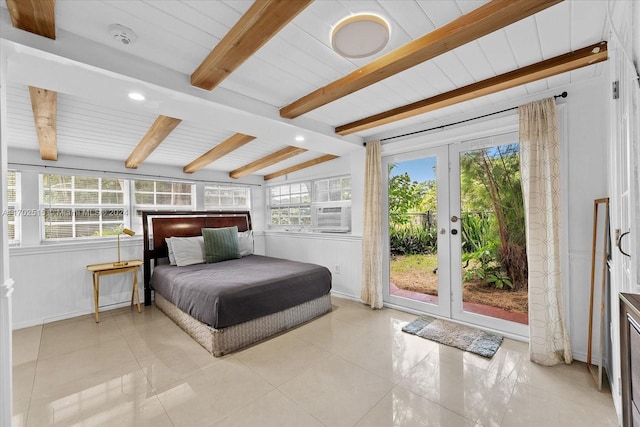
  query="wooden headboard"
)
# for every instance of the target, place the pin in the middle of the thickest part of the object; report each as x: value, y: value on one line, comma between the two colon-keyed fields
x: 181, y: 224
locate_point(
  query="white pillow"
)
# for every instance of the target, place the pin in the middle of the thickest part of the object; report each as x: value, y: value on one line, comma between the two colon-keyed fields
x: 172, y: 258
x: 188, y: 250
x: 245, y: 243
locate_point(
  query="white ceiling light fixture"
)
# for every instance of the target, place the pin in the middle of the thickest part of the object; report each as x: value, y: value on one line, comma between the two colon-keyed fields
x: 359, y: 36
x: 299, y: 138
x: 122, y: 34
x: 136, y: 96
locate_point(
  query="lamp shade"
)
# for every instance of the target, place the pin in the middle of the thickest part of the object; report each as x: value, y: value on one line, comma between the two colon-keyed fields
x: 128, y: 232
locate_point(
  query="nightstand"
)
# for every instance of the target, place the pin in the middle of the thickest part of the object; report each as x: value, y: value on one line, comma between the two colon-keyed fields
x: 98, y: 270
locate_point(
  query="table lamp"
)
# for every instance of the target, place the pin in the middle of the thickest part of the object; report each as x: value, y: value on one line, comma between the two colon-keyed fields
x: 129, y: 233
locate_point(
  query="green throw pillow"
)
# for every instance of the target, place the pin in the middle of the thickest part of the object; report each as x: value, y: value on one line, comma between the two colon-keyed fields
x: 220, y: 244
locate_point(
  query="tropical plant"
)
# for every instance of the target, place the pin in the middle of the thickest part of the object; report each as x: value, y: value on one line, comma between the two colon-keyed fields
x: 405, y: 239
x: 490, y: 181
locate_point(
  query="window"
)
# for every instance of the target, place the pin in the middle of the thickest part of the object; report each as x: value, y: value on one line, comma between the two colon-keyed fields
x: 332, y: 190
x: 227, y: 197
x: 160, y: 195
x: 80, y: 206
x: 13, y: 199
x: 293, y: 204
x: 290, y: 204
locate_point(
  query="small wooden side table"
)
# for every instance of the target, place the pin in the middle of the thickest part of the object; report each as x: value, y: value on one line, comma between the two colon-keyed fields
x: 99, y: 270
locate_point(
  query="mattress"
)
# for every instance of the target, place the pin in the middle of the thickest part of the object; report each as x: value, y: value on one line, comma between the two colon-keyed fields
x: 231, y: 292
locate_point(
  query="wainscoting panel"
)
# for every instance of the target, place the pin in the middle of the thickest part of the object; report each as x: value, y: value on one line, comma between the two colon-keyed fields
x: 52, y: 283
x: 342, y: 254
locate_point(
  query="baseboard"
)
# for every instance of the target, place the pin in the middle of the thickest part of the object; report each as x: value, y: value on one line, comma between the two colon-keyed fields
x: 70, y: 315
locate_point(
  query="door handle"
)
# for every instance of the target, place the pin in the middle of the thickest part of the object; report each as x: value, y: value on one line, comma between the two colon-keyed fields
x: 619, y: 242
x: 443, y: 231
x: 454, y: 219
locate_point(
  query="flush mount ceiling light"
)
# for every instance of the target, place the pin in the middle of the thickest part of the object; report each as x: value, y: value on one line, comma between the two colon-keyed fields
x: 359, y: 36
x: 136, y: 96
x: 122, y: 34
x: 299, y: 138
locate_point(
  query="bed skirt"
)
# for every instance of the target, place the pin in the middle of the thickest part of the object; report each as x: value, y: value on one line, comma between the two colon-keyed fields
x: 222, y: 341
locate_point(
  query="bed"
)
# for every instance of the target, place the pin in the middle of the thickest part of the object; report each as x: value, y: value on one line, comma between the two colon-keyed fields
x: 233, y: 303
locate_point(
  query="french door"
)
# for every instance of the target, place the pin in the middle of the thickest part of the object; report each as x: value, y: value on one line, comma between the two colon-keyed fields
x: 433, y: 197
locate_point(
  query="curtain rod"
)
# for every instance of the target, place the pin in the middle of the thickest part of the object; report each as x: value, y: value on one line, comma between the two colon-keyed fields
x: 133, y: 174
x: 562, y: 95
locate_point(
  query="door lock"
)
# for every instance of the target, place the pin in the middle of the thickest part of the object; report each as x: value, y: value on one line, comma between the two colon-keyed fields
x: 454, y: 219
x: 454, y: 231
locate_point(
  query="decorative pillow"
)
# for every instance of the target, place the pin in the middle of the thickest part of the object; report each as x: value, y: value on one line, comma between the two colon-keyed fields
x: 245, y: 242
x: 220, y: 244
x: 188, y: 250
x: 172, y: 258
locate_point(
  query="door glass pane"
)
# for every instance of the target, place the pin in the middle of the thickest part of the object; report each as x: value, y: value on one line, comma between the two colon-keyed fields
x: 413, y: 230
x: 494, y: 260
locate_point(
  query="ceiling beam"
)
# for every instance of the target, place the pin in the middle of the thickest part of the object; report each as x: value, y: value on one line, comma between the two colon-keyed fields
x: 256, y: 27
x: 484, y: 20
x: 300, y: 166
x: 540, y: 70
x: 36, y: 16
x: 158, y: 131
x: 267, y: 161
x: 44, y: 104
x: 230, y: 144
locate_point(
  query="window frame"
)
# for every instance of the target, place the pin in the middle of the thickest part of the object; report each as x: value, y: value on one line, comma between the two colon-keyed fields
x: 89, y: 208
x: 233, y: 206
x: 313, y: 202
x: 136, y: 220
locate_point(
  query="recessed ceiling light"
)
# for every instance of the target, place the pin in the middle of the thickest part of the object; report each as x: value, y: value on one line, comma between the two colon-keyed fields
x: 136, y: 96
x: 299, y: 138
x: 361, y: 35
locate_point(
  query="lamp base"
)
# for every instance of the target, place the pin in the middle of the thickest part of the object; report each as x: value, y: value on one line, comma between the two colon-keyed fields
x: 120, y: 264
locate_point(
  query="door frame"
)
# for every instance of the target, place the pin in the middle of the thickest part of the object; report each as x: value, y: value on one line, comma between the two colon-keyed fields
x: 457, y: 310
x: 443, y: 308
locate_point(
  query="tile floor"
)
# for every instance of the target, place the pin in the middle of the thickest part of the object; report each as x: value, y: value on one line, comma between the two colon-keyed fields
x: 352, y: 367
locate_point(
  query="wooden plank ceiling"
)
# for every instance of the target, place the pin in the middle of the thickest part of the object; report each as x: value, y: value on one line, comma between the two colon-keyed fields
x: 261, y: 22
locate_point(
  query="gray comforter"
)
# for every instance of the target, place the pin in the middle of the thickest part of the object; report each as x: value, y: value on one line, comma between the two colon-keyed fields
x: 235, y: 291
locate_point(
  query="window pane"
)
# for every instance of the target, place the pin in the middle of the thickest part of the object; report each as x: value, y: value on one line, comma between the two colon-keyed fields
x: 164, y: 199
x: 58, y: 215
x: 87, y: 230
x: 144, y: 199
x: 86, y: 198
x: 57, y: 197
x: 182, y: 200
x: 181, y: 188
x: 112, y: 184
x: 144, y: 186
x: 84, y: 215
x: 110, y: 198
x: 57, y: 182
x: 164, y: 187
x: 87, y: 183
x: 113, y: 215
x: 58, y: 231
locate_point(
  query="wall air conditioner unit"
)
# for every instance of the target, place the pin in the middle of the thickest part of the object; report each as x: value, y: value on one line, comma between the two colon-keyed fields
x: 332, y: 219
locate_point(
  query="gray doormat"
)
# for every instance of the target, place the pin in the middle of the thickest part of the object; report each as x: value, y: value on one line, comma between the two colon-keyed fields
x: 452, y: 334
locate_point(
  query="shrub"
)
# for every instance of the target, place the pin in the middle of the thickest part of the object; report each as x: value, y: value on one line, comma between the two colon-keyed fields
x: 406, y: 239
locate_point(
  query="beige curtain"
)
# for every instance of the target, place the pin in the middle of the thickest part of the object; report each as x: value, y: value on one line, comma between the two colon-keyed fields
x: 540, y: 169
x: 372, y: 228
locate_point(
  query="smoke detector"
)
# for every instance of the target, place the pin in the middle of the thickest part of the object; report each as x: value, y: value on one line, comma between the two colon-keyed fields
x: 122, y: 34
